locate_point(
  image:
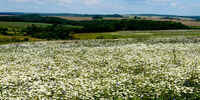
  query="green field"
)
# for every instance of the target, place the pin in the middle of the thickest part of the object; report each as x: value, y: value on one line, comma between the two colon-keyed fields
x: 15, y: 33
x: 20, y: 24
x: 146, y: 35
x: 13, y: 39
x: 139, y: 34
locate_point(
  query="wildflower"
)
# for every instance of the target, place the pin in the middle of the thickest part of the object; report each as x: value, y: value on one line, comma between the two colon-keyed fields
x: 63, y: 91
x: 187, y: 83
x: 117, y: 84
x: 82, y: 75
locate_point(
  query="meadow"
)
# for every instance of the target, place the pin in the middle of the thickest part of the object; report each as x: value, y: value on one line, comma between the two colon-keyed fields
x: 15, y: 33
x: 101, y: 69
x: 141, y: 34
x: 120, y: 65
x: 14, y: 39
x: 21, y: 24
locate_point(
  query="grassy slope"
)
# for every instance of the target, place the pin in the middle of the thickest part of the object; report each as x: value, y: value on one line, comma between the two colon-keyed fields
x: 139, y: 34
x: 21, y: 24
x: 12, y: 39
x: 17, y: 26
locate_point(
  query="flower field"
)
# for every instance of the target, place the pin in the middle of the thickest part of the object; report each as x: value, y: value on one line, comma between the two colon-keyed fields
x: 100, y: 69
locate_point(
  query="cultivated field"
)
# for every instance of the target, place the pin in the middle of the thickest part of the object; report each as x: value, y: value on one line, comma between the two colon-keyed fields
x: 185, y: 21
x: 101, y: 69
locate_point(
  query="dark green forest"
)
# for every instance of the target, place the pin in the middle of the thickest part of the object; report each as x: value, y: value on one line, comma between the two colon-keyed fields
x: 62, y: 28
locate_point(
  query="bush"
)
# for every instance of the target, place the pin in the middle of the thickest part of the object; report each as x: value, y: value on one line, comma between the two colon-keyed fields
x: 26, y: 39
x: 3, y: 31
x: 100, y: 37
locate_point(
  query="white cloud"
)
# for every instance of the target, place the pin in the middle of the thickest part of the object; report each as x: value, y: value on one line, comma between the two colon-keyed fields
x: 33, y: 1
x: 160, y: 1
x: 196, y: 5
x: 66, y: 1
x: 173, y: 4
x: 177, y: 5
x: 83, y: 2
x: 91, y: 2
x: 18, y: 0
x: 39, y: 2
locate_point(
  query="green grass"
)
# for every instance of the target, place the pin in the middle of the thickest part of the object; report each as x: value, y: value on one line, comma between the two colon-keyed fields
x: 195, y: 27
x: 13, y: 39
x: 21, y: 24
x: 139, y: 34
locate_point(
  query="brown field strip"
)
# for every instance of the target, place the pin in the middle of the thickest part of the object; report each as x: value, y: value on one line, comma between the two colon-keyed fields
x: 183, y: 21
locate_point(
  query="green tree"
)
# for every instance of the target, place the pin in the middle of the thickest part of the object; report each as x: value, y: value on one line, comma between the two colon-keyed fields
x: 3, y: 31
x: 97, y: 17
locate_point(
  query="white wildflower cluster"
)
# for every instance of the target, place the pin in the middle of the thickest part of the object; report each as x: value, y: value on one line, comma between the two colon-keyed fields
x: 92, y: 69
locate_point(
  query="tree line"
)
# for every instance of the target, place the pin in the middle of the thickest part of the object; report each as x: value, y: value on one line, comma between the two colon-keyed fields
x: 62, y: 28
x: 35, y: 18
x: 55, y: 31
x: 128, y: 24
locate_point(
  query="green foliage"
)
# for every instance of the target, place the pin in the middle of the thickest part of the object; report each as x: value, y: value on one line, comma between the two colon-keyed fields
x: 100, y: 37
x: 136, y: 17
x: 3, y: 31
x: 168, y: 17
x: 26, y: 39
x: 195, y: 27
x: 21, y: 24
x: 56, y: 31
x: 13, y: 39
x: 117, y: 25
x: 97, y: 17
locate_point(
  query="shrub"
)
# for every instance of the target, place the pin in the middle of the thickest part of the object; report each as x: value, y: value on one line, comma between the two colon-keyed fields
x: 100, y: 37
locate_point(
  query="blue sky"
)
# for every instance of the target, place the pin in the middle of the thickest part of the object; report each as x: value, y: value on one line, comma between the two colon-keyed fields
x: 175, y: 7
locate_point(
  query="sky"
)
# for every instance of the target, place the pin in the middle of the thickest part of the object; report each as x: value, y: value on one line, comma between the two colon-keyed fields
x: 170, y: 7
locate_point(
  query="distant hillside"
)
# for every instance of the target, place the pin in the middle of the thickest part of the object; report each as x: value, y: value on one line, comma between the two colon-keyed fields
x: 11, y: 13
x: 159, y: 15
x: 92, y: 15
x: 79, y: 15
x: 62, y: 14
